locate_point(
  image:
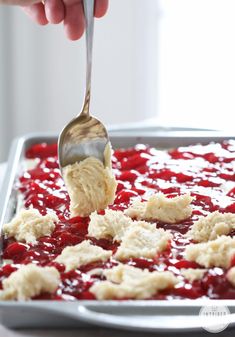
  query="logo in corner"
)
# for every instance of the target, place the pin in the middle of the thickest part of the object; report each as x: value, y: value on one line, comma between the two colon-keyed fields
x: 214, y: 318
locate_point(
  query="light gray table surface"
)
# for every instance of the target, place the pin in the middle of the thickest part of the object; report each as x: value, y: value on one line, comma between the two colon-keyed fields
x: 99, y: 332
x: 87, y: 332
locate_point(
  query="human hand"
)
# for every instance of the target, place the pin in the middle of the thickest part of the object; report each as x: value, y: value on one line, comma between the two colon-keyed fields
x: 70, y: 12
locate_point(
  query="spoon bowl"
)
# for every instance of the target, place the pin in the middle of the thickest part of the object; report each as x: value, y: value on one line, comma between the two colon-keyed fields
x: 85, y: 136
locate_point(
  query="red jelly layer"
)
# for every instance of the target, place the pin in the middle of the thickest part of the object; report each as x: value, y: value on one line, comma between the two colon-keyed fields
x: 200, y: 170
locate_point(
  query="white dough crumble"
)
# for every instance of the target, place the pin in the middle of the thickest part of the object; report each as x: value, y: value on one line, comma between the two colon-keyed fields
x: 29, y: 225
x: 126, y: 281
x: 82, y: 254
x: 215, y: 253
x: 231, y: 276
x: 113, y: 224
x: 29, y: 281
x: 143, y: 240
x: 159, y: 207
x: 193, y: 274
x: 90, y: 184
x: 212, y: 226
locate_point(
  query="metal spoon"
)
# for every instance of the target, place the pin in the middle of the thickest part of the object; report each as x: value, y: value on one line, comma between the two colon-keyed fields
x: 85, y: 136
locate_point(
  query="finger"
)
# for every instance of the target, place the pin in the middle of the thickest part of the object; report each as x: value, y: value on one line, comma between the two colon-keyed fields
x: 55, y: 11
x: 37, y: 13
x: 101, y: 7
x: 74, y: 22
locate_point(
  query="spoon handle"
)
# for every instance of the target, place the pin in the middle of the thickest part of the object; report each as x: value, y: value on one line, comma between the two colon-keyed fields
x: 88, y: 6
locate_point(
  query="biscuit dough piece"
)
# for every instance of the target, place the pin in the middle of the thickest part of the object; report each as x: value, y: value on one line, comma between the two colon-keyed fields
x: 29, y: 281
x: 143, y: 240
x: 81, y: 254
x: 212, y: 226
x: 215, y: 253
x: 126, y: 281
x: 193, y: 274
x: 159, y: 207
x: 113, y: 224
x: 231, y: 276
x: 29, y: 225
x: 90, y: 184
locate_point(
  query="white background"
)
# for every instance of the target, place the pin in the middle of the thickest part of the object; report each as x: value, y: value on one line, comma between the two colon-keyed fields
x: 42, y: 74
x: 171, y: 59
x: 197, y: 62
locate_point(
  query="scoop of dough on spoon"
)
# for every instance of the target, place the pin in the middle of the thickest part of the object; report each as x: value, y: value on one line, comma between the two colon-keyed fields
x: 84, y: 149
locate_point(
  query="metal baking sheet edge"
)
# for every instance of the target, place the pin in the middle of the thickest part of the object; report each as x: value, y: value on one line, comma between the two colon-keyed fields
x: 130, y: 315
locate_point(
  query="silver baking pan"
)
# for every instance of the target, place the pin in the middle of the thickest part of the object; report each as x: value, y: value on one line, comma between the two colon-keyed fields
x: 155, y: 316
